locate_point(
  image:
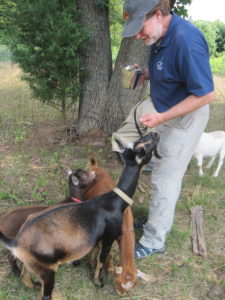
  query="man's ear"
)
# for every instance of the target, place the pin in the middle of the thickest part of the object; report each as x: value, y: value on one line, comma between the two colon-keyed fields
x: 158, y: 14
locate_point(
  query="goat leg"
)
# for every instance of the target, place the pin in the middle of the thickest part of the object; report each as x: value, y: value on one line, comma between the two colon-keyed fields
x: 48, y: 279
x: 109, y: 265
x: 210, y: 162
x: 27, y: 280
x: 94, y: 259
x: 97, y: 251
x: 95, y: 254
x: 13, y: 262
x: 101, y: 260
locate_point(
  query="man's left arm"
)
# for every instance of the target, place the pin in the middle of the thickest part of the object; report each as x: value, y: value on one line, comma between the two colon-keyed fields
x: 186, y: 106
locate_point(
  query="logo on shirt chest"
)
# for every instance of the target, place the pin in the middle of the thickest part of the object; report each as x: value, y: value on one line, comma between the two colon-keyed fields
x: 159, y: 64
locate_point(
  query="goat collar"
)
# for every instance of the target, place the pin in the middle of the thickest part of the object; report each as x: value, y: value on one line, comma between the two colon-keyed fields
x: 76, y: 200
x: 124, y: 196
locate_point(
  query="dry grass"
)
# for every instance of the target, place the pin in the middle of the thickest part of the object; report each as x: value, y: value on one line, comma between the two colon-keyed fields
x: 219, y: 87
x: 34, y: 152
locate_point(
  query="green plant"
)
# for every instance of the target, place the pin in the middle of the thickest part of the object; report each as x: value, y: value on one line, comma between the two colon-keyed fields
x: 218, y: 64
x: 44, y: 38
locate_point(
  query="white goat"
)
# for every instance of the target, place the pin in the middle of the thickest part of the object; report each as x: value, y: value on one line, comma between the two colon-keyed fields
x: 210, y: 145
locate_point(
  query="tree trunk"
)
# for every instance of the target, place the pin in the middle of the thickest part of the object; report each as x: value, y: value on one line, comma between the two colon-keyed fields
x: 96, y: 60
x: 120, y: 100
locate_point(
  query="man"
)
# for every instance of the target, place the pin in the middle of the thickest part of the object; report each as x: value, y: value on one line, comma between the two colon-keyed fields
x: 181, y: 86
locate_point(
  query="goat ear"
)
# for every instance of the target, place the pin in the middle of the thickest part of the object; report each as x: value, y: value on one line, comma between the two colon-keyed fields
x: 93, y: 162
x: 75, y: 181
x: 69, y: 172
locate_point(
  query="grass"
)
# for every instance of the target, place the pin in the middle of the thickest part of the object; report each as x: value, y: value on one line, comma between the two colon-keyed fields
x: 35, y: 151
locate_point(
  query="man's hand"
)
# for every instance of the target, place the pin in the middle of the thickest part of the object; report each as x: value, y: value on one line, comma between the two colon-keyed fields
x: 152, y: 120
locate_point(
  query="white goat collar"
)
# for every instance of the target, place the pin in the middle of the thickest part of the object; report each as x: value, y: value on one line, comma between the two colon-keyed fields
x: 124, y: 196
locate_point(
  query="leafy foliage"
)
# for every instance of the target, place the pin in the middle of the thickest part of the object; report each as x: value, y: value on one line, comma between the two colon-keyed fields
x: 6, y: 6
x: 218, y: 64
x: 220, y: 39
x: 44, y: 38
x: 180, y: 7
x: 210, y: 32
x: 215, y: 35
x: 116, y: 25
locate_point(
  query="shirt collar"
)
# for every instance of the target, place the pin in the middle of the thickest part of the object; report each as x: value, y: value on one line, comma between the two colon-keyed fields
x: 166, y: 39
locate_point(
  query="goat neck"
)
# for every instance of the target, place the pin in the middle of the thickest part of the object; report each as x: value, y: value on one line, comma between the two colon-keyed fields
x: 129, y: 179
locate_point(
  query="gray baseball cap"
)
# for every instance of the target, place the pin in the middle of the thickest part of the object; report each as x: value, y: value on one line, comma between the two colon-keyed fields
x: 136, y: 11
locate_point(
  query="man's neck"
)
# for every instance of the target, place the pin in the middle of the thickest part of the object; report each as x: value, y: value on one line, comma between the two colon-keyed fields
x: 166, y: 23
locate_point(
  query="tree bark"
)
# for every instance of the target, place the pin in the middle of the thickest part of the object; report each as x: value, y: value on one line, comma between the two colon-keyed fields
x: 96, y: 61
x: 119, y: 100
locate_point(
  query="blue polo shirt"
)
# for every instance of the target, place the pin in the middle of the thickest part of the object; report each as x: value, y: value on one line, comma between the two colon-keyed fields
x: 179, y: 66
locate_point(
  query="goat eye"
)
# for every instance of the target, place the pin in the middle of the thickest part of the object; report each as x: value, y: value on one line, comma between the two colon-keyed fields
x: 75, y: 180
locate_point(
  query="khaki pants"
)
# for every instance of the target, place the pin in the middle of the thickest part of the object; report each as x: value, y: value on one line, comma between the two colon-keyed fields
x: 178, y: 139
x: 128, y: 131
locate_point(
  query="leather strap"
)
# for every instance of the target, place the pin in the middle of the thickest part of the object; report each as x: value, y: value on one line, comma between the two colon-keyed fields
x: 124, y: 196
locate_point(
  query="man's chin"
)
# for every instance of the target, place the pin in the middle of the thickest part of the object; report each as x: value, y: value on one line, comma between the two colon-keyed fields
x: 149, y: 43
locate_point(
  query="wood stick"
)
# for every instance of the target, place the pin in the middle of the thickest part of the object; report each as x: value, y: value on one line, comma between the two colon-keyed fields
x: 197, y: 235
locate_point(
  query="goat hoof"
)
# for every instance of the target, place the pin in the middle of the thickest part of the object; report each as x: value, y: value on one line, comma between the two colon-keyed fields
x: 37, y: 286
x: 98, y: 282
x: 16, y: 272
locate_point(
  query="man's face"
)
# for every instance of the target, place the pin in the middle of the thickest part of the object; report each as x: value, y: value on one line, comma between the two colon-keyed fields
x: 152, y: 30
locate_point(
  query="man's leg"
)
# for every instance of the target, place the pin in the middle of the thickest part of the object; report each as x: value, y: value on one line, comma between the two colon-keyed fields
x: 128, y: 131
x: 178, y: 139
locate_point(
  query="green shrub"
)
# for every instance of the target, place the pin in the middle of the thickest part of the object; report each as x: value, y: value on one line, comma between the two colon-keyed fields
x: 218, y: 64
x: 44, y: 38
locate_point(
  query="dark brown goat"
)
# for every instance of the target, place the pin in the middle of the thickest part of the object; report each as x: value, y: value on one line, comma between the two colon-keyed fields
x: 68, y: 232
x: 11, y: 222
